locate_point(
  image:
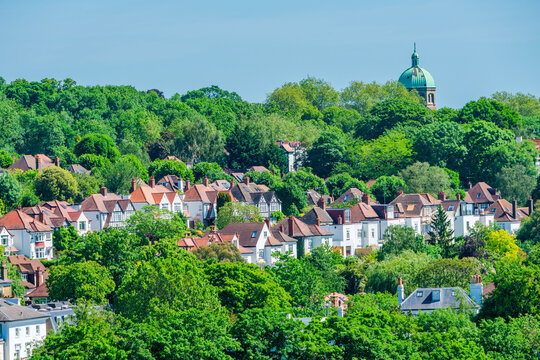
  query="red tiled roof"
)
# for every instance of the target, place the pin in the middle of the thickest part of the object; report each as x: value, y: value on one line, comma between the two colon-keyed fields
x: 481, y: 193
x: 18, y: 220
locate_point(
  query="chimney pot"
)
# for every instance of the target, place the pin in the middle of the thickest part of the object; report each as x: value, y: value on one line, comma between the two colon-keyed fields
x: 246, y: 180
x: 133, y: 184
x: 366, y: 199
x: 442, y: 195
x: 267, y: 221
x: 458, y: 196
x: 188, y: 184
x: 103, y: 190
x: 205, y: 181
x: 400, y: 192
x: 152, y: 181
x: 321, y: 203
x: 340, y: 220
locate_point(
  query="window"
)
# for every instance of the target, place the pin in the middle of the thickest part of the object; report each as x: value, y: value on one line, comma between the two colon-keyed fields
x: 28, y: 331
x: 372, y: 233
x: 347, y: 215
x: 177, y: 207
x: 40, y: 253
x: 346, y: 198
x: 419, y: 293
x: 436, y: 295
x: 468, y: 224
x: 265, y: 234
x: 451, y: 207
x: 5, y: 240
x: 348, y: 234
x: 117, y: 216
x: 274, y: 207
x: 359, y: 233
x: 38, y: 330
x: 17, y: 332
x: 261, y: 253
x: 264, y: 208
x: 24, y: 276
x: 82, y: 225
x: 254, y: 234
x: 453, y: 293
x: 40, y: 237
x: 479, y: 195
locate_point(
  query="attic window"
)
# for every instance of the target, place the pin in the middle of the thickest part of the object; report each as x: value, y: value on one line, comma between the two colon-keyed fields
x: 479, y: 195
x: 254, y: 234
x: 451, y: 207
x: 346, y: 197
x: 493, y: 210
x: 419, y: 293
x: 436, y: 295
x: 410, y: 207
x: 453, y: 293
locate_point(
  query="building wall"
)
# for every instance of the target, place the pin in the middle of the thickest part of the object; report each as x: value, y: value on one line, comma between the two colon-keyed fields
x: 37, y: 333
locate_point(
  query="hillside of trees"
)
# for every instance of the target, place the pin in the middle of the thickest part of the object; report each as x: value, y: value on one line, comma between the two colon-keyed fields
x: 366, y: 131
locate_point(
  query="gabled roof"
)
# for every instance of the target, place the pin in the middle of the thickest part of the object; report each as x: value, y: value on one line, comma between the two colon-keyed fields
x: 18, y: 220
x: 313, y: 197
x: 481, y: 193
x: 249, y: 193
x: 450, y: 297
x: 197, y: 192
x: 248, y: 233
x: 502, y: 210
x: 363, y: 212
x: 350, y: 194
x: 25, y: 264
x: 412, y: 204
x: 29, y: 162
x: 39, y: 292
x: 259, y: 169
x: 281, y: 236
x: 171, y: 182
x: 77, y: 169
x: 311, y: 216
x: 294, y: 227
x: 95, y: 202
x: 147, y: 194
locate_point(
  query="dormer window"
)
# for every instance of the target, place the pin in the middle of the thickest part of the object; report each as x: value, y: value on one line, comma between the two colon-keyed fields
x: 479, y: 195
x: 346, y: 198
x: 419, y: 293
x: 254, y: 234
x: 451, y: 207
x: 436, y: 295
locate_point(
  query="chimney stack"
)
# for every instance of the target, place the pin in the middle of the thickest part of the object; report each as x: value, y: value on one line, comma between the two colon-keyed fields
x: 57, y: 161
x: 38, y: 162
x: 103, y: 190
x: 400, y: 292
x: 400, y: 192
x: 205, y: 181
x: 340, y: 220
x: 38, y: 281
x: 246, y: 180
x: 152, y: 181
x: 458, y: 196
x: 514, y: 208
x: 291, y: 226
x: 188, y: 184
x: 321, y: 203
x: 267, y: 221
x: 476, y: 289
x: 4, y: 271
x: 531, y: 205
x: 318, y: 221
x: 366, y: 199
x: 470, y: 186
x: 133, y: 185
x: 442, y: 195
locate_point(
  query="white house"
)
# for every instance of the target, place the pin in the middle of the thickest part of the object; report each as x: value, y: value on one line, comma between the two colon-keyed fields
x: 156, y: 195
x: 30, y: 236
x: 105, y: 209
x: 22, y: 329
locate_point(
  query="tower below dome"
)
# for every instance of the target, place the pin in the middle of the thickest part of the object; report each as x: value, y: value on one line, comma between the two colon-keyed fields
x: 420, y: 80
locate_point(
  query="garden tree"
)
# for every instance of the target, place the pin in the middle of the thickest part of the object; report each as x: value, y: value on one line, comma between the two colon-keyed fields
x: 515, y: 182
x: 2, y: 208
x: 64, y: 239
x: 306, y: 180
x: 423, y: 178
x: 87, y: 185
x: 192, y: 334
x: 160, y: 148
x: 390, y: 113
x: 319, y: 93
x: 97, y: 144
x: 151, y: 225
x: 55, y: 183
x: 385, y: 155
x: 264, y: 178
x: 198, y: 140
x: 519, y: 338
x: 142, y: 173
x: 10, y: 123
x: 440, y: 144
x: 47, y: 132
x: 292, y: 197
x: 113, y: 248
x: 344, y: 119
x: 441, y: 232
x: 5, y: 159
x: 242, y: 286
x: 383, y: 275
x: 93, y: 336
x: 362, y: 97
x: 137, y: 124
x: 327, y: 151
x: 490, y: 149
x: 536, y: 192
x: 308, y: 279
x: 517, y: 290
x: 117, y: 177
x: 489, y: 110
x: 66, y: 156
x: 91, y: 161
x: 500, y: 244
x: 174, y: 280
x: 160, y: 168
x: 353, y: 272
x: 445, y: 114
x: 386, y: 188
x: 10, y: 190
x: 220, y: 252
x: 29, y: 198
x: 85, y: 281
x: 264, y: 334
x: 222, y: 199
x: 529, y: 232
x: 398, y: 239
x: 236, y: 212
x: 448, y: 273
x: 288, y: 100
x: 523, y: 104
x: 473, y: 245
x: 339, y: 183
x: 212, y: 170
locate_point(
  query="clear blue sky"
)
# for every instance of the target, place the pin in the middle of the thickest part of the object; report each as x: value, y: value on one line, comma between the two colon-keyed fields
x: 472, y: 48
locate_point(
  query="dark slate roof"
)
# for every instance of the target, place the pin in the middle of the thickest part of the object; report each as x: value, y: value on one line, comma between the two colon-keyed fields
x: 449, y: 298
x: 310, y: 217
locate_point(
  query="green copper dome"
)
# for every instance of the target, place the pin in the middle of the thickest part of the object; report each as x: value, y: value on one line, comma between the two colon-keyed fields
x: 415, y: 76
